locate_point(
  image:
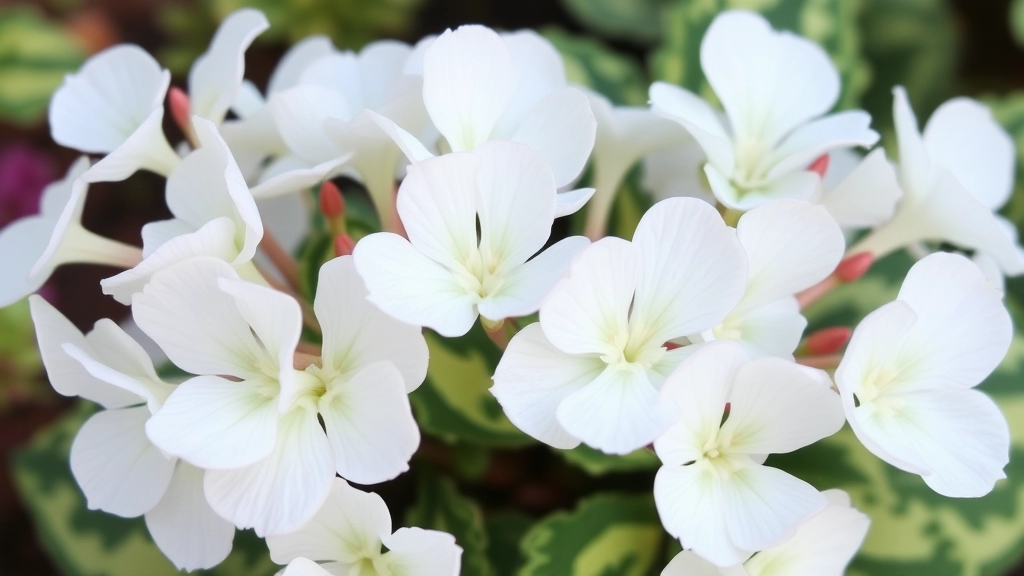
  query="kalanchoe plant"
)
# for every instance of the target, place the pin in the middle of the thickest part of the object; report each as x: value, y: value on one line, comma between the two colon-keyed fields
x: 686, y: 341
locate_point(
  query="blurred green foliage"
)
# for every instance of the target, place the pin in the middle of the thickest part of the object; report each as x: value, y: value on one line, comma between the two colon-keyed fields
x: 35, y: 54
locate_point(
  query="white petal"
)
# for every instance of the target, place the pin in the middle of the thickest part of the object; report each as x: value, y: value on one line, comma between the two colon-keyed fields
x: 423, y: 552
x: 369, y: 424
x: 698, y: 391
x: 139, y: 377
x: 798, y: 185
x: 349, y: 523
x: 276, y: 320
x: 413, y: 149
x: 694, y: 270
x: 914, y: 164
x: 676, y: 172
x: 197, y: 324
x: 963, y: 329
x: 184, y: 526
x: 686, y: 563
x: 468, y: 82
x: 411, y: 287
x: 97, y: 109
x: 216, y: 76
x: 437, y: 202
x: 810, y: 141
x: 823, y: 546
x: 516, y: 202
x: 295, y: 61
x: 777, y: 408
x: 588, y: 308
x: 525, y: 288
x: 768, y: 82
x: 158, y: 232
x: 22, y: 242
x: 699, y: 119
x: 571, y: 202
x: 356, y: 333
x: 145, y: 149
x: 532, y: 379
x: 67, y: 376
x: 962, y: 136
x: 772, y: 329
x: 561, y: 128
x: 289, y: 182
x: 790, y: 246
x: 116, y: 466
x: 380, y: 67
x: 215, y: 239
x: 538, y: 72
x: 304, y: 567
x: 214, y: 423
x: 617, y: 413
x: 300, y: 113
x: 281, y: 492
x: 765, y: 505
x: 867, y: 196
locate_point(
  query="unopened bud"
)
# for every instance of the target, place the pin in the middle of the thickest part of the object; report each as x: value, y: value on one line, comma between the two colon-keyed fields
x: 180, y: 109
x: 855, y: 266
x: 827, y: 340
x: 332, y: 204
x: 819, y: 166
x: 343, y: 245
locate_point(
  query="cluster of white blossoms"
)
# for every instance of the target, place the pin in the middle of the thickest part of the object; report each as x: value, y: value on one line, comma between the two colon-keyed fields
x: 687, y: 339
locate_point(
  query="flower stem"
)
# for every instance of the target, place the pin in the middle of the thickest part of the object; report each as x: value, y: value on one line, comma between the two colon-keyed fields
x: 281, y: 259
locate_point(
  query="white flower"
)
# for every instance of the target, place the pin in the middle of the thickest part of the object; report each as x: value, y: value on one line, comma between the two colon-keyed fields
x: 332, y: 114
x: 713, y: 491
x: 590, y: 370
x: 116, y: 466
x: 33, y: 246
x: 269, y: 462
x: 347, y: 534
x: 908, y: 373
x: 822, y: 546
x: 677, y: 171
x: 791, y: 245
x: 625, y: 134
x: 480, y: 86
x: 953, y: 177
x: 774, y: 87
x: 214, y: 215
x: 446, y: 274
x: 114, y: 106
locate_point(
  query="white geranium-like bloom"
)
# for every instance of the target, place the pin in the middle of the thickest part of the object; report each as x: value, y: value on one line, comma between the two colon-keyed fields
x: 33, y: 246
x: 791, y: 245
x: 118, y: 469
x: 346, y: 537
x: 270, y: 464
x: 908, y: 373
x: 214, y: 215
x: 774, y: 87
x: 953, y: 176
x: 332, y: 114
x: 446, y: 274
x: 480, y: 86
x: 590, y: 370
x: 822, y: 546
x: 114, y: 105
x: 713, y: 491
x: 625, y: 134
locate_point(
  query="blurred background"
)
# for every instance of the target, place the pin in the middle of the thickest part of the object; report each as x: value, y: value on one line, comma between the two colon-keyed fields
x: 936, y: 48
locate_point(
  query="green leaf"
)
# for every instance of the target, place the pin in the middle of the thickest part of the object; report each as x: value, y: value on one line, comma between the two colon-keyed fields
x: 597, y: 463
x: 607, y: 535
x: 830, y: 23
x: 505, y: 531
x: 636, y: 20
x: 439, y: 506
x: 912, y: 43
x: 35, y: 54
x: 590, y: 63
x: 86, y: 542
x: 454, y: 402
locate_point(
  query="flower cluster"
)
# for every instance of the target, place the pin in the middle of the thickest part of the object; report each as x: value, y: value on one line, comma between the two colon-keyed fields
x: 687, y: 339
